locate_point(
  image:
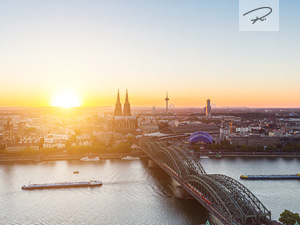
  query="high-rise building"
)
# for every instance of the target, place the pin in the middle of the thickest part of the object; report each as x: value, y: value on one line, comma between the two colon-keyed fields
x: 153, y: 110
x: 167, y: 105
x: 208, y: 108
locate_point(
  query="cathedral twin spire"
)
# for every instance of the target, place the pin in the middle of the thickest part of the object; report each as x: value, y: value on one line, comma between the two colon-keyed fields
x: 118, y: 107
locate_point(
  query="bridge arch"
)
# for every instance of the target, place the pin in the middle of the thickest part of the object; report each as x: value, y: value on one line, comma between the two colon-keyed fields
x: 250, y: 204
x: 172, y: 160
x: 195, y: 166
x: 220, y: 200
x: 228, y: 199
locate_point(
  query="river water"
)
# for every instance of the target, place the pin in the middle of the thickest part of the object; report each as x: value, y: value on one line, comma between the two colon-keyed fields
x: 131, y: 193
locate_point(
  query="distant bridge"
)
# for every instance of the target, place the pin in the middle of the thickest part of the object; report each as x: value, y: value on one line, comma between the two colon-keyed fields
x: 226, y: 198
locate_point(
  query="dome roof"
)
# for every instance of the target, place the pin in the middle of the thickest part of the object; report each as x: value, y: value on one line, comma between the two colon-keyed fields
x: 200, y: 136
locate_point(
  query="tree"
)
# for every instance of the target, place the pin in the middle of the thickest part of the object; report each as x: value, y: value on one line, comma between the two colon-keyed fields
x: 196, y: 148
x: 271, y: 148
x: 47, y: 151
x: 71, y: 140
x: 225, y: 142
x: 288, y: 148
x: 289, y: 218
x: 77, y: 132
x: 122, y: 148
x: 225, y: 145
x: 130, y: 138
x: 17, y: 139
x: 30, y: 129
x: 245, y: 148
x: 96, y: 149
x: 2, y: 146
x: 297, y: 147
x: 41, y: 144
x: 94, y: 139
x: 111, y: 141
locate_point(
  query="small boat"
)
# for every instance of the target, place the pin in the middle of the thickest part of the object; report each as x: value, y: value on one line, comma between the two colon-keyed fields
x: 130, y: 158
x: 204, y: 157
x: 75, y: 171
x: 63, y: 185
x: 87, y: 159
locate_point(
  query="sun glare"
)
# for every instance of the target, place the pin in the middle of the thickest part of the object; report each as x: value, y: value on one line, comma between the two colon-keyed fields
x: 66, y: 99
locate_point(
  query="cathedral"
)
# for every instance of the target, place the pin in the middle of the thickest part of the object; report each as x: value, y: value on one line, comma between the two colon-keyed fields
x: 123, y: 122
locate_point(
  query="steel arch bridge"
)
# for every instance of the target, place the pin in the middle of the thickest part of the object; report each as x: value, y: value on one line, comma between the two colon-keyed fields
x: 230, y: 201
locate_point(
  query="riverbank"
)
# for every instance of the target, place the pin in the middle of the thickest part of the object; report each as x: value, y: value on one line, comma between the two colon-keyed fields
x: 64, y: 157
x: 39, y: 158
x: 249, y: 154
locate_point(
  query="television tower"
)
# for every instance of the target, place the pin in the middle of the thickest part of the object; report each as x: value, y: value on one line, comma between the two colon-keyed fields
x: 167, y: 99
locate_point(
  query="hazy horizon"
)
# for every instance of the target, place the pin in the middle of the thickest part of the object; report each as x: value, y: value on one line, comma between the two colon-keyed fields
x: 149, y: 107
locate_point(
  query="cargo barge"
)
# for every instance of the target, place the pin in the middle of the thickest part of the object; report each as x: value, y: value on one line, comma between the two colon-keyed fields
x: 91, y: 183
x: 271, y: 177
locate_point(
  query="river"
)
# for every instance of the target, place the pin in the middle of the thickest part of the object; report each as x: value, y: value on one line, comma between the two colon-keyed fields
x: 131, y: 193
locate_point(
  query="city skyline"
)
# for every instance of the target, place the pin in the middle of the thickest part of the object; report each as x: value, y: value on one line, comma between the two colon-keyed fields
x: 193, y: 50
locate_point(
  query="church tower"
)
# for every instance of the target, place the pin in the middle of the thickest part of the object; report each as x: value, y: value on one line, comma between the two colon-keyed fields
x: 118, y: 108
x: 123, y: 123
x: 127, y: 106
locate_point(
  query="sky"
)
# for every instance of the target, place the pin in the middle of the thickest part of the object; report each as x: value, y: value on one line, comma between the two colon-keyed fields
x: 192, y: 49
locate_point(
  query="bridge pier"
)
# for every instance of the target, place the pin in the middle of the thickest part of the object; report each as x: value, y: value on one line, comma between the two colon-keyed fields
x: 179, y: 191
x: 152, y: 164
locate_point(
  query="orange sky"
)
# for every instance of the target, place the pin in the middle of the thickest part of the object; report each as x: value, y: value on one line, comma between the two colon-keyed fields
x: 149, y: 49
x: 180, y: 99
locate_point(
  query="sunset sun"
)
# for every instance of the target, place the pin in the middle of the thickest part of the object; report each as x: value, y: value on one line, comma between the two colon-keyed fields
x: 66, y: 99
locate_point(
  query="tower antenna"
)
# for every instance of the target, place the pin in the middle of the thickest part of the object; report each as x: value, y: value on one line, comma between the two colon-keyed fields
x: 167, y: 99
